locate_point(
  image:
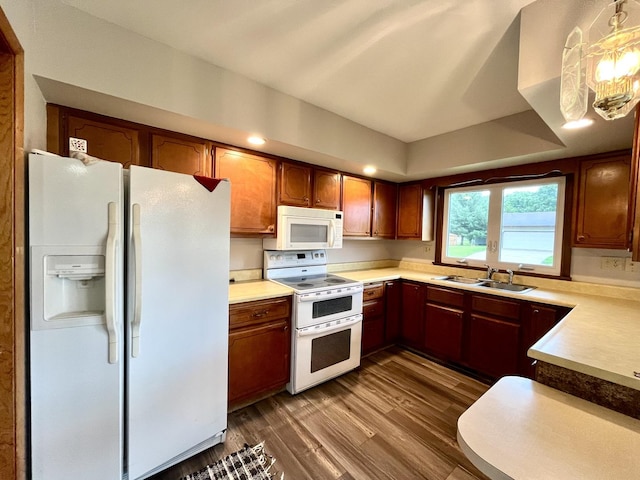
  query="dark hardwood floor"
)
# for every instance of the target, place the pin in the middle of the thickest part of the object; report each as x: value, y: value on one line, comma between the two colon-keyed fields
x: 394, y: 418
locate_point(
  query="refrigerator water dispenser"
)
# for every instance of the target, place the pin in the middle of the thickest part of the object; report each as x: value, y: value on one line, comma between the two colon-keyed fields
x: 71, y: 286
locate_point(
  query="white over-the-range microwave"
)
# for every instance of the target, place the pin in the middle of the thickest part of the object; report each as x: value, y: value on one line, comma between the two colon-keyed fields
x: 301, y: 228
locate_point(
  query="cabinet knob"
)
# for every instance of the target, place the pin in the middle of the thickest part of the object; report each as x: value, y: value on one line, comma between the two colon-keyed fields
x: 271, y: 228
x: 317, y: 200
x: 536, y: 311
x: 285, y: 328
x: 581, y: 238
x: 306, y: 199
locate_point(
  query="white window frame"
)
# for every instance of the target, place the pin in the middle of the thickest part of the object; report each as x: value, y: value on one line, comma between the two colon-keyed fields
x: 494, y: 228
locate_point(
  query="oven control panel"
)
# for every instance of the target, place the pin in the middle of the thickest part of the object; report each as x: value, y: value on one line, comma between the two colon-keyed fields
x: 294, y: 258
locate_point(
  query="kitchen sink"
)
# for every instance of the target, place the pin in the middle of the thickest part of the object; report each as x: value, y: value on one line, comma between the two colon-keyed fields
x: 512, y: 287
x: 458, y: 279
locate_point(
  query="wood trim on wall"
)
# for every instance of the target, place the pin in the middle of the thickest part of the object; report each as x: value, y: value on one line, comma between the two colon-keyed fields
x: 12, y: 257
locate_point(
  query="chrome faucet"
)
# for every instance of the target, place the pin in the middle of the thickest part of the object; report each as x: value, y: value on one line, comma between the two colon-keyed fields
x: 510, y: 272
x: 490, y: 271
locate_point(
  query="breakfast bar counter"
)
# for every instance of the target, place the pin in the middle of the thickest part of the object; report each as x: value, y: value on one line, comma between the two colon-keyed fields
x: 521, y: 429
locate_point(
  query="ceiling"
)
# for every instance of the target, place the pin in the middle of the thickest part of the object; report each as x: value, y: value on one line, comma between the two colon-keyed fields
x: 409, y: 69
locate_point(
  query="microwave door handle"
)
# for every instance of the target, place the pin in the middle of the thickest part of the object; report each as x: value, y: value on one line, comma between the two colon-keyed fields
x: 324, y: 331
x: 332, y: 233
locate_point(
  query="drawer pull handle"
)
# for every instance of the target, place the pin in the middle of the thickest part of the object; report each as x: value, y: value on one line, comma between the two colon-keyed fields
x: 261, y: 313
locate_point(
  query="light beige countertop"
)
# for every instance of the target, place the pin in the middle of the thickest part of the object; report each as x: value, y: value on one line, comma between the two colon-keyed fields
x: 520, y: 429
x: 256, y: 290
x: 599, y: 337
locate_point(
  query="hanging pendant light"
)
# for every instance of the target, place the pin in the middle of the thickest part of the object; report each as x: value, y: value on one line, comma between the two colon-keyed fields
x: 612, y: 64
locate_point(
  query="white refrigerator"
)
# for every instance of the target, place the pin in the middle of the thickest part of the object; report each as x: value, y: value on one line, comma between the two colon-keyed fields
x: 128, y: 318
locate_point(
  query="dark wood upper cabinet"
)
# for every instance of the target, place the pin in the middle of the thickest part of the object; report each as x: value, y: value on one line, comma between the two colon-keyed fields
x: 295, y: 184
x: 327, y: 186
x: 181, y: 155
x: 253, y: 190
x: 384, y: 209
x: 410, y: 203
x: 356, y: 204
x: 107, y: 141
x: 602, y: 202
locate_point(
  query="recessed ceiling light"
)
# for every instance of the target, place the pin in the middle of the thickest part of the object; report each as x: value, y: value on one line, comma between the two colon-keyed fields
x: 575, y: 124
x: 369, y: 170
x: 255, y: 140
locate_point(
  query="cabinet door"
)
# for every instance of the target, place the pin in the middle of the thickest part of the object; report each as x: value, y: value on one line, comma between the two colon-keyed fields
x: 603, y: 201
x: 356, y: 204
x: 493, y: 346
x: 411, y: 328
x: 295, y: 185
x: 410, y: 201
x: 180, y: 155
x: 258, y: 360
x: 253, y: 190
x: 372, y: 317
x: 443, y: 331
x: 106, y: 141
x: 327, y: 186
x: 384, y: 209
x: 538, y: 320
x: 392, y: 292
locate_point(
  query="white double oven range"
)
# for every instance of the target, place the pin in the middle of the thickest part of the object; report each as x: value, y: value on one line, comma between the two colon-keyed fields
x: 326, y: 318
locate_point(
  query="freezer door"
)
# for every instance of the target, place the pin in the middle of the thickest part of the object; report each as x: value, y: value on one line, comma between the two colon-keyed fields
x: 76, y: 374
x: 178, y: 315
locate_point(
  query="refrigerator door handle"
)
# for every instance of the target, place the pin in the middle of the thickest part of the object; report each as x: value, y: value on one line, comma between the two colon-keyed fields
x: 110, y: 281
x: 137, y: 284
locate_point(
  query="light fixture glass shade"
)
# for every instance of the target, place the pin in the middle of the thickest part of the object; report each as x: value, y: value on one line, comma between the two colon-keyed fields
x: 613, y: 59
x: 574, y: 94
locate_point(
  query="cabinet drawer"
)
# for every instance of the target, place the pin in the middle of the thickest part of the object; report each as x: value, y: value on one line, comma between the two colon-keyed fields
x: 373, y: 291
x: 496, y: 306
x: 373, y: 308
x: 252, y: 313
x: 446, y: 296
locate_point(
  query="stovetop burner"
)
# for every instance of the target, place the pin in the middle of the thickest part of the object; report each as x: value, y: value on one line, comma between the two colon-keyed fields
x: 335, y: 280
x: 314, y: 281
x: 304, y: 271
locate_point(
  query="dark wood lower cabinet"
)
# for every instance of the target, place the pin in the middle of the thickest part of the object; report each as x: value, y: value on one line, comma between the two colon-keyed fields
x: 411, y: 322
x: 259, y: 349
x: 392, y: 298
x: 493, y: 346
x: 537, y: 321
x: 484, y: 334
x: 443, y: 332
x: 373, y: 318
x: 444, y: 323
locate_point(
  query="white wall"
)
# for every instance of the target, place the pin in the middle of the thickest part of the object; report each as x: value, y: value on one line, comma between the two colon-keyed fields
x: 586, y: 263
x: 79, y: 59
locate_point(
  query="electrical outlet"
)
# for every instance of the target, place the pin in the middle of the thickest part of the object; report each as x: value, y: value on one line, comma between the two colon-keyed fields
x: 630, y: 266
x: 77, y: 145
x: 612, y: 263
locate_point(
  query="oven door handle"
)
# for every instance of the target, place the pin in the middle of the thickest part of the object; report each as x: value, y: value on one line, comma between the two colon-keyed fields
x: 310, y: 297
x: 324, y: 331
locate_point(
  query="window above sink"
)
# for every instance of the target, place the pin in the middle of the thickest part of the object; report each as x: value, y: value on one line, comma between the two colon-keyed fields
x: 514, y: 225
